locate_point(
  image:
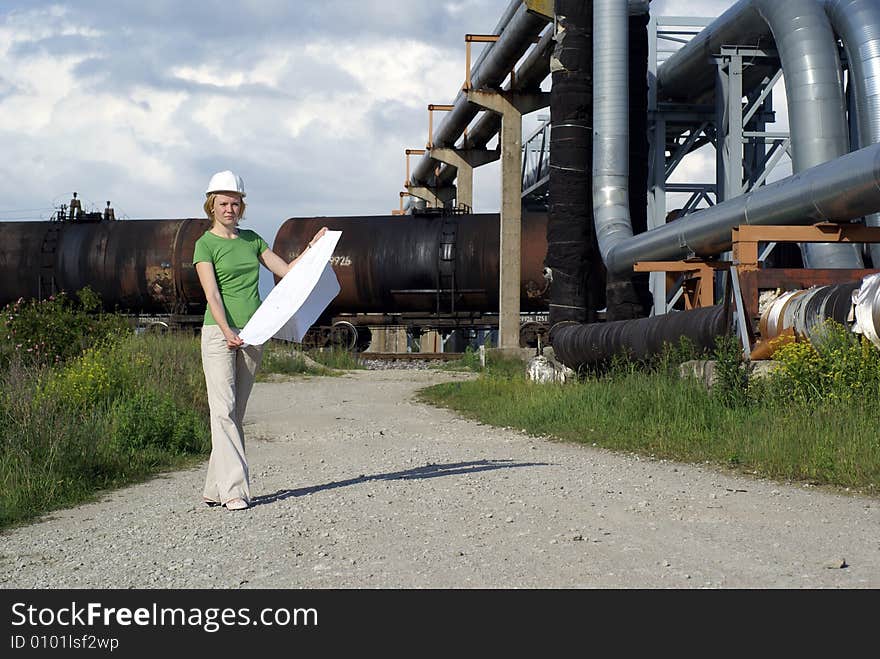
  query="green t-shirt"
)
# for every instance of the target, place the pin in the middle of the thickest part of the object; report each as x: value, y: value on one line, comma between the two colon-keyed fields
x: 237, y: 269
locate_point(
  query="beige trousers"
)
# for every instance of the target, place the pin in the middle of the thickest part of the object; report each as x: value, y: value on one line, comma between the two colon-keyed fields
x: 229, y: 376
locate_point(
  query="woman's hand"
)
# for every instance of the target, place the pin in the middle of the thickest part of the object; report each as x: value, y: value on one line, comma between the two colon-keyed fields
x: 318, y: 236
x: 233, y: 340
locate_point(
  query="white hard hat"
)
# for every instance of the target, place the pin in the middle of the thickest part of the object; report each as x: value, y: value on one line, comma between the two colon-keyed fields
x: 226, y: 181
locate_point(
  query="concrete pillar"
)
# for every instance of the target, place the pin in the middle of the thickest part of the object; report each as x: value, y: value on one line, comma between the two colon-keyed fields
x: 430, y: 341
x: 387, y: 339
x: 436, y: 197
x: 511, y: 107
x: 464, y: 160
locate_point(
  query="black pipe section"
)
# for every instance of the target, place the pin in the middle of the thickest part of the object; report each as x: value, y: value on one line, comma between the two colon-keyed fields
x: 572, y: 253
x: 577, y: 345
x: 629, y: 296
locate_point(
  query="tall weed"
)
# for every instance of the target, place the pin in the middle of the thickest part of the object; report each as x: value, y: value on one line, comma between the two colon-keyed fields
x: 123, y: 409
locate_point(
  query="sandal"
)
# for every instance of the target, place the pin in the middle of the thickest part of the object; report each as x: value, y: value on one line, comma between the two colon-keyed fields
x: 210, y: 502
x: 236, y: 504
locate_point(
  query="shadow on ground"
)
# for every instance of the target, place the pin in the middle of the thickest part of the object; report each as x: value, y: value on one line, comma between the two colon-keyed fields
x: 428, y: 471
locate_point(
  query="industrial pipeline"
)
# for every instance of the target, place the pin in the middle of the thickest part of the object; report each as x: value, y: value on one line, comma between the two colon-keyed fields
x: 578, y: 257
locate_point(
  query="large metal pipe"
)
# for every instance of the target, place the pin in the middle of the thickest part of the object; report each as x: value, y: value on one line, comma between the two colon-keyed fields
x: 534, y: 69
x: 610, y: 125
x: 836, y: 191
x: 577, y: 345
x: 135, y: 265
x: 490, y: 69
x: 805, y: 311
x: 576, y: 291
x: 857, y: 23
x: 689, y: 74
x: 867, y: 309
x: 529, y: 75
x: 813, y: 79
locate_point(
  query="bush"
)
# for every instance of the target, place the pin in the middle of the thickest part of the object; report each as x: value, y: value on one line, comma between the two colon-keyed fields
x: 732, y: 381
x: 149, y: 420
x: 836, y: 366
x: 55, y: 330
x: 119, y: 412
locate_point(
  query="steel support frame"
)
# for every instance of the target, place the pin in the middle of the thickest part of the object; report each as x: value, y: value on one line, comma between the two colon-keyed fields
x: 536, y: 159
x: 743, y: 162
x: 742, y: 159
x: 660, y: 30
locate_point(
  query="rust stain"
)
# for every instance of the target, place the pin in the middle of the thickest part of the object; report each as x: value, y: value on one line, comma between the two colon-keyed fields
x: 159, y: 283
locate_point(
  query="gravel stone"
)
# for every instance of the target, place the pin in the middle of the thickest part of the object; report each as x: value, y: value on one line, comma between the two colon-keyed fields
x: 358, y: 486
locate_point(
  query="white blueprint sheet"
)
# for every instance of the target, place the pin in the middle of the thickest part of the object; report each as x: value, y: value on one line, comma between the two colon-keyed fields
x: 298, y: 299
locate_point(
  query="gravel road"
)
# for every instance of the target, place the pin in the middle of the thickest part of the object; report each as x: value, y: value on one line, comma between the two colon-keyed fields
x: 357, y: 486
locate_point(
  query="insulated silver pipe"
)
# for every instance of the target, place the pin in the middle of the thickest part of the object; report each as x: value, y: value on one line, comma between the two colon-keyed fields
x: 857, y: 23
x: 813, y: 82
x: 611, y: 214
x: 840, y: 190
x: 816, y: 106
x: 689, y: 73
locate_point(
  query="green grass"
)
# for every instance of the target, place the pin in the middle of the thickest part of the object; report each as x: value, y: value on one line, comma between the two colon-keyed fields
x: 767, y: 428
x: 336, y: 358
x: 127, y: 408
x: 496, y: 363
x: 285, y: 358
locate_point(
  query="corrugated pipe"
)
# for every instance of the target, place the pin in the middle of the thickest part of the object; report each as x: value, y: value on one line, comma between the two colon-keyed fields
x: 577, y: 345
x: 836, y: 191
x: 857, y: 23
x: 813, y: 81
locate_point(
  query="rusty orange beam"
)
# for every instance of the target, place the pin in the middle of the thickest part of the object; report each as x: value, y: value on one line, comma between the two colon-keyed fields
x: 431, y: 109
x: 816, y: 233
x: 468, y: 40
x: 411, y: 152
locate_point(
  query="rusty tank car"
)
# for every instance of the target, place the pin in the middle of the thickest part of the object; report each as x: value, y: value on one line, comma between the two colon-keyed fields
x: 136, y: 266
x: 424, y: 271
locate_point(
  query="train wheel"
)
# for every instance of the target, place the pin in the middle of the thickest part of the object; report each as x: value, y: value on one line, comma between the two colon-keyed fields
x: 157, y: 327
x: 344, y: 335
x: 529, y: 334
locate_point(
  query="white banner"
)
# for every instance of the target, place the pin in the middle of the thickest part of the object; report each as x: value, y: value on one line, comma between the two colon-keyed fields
x: 299, y: 298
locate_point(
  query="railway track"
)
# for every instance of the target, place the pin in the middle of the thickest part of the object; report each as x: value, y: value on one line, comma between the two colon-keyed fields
x: 412, y: 356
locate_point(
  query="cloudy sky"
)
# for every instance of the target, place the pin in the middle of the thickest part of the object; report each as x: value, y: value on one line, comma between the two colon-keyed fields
x: 311, y: 103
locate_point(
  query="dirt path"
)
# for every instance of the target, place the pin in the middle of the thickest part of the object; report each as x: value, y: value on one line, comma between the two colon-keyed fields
x: 357, y: 486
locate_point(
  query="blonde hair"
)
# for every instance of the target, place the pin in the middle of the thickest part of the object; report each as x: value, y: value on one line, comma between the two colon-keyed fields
x: 209, y: 206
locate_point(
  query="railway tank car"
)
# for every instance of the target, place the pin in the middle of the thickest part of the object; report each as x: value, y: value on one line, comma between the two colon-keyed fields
x: 431, y: 271
x: 424, y: 271
x: 136, y: 266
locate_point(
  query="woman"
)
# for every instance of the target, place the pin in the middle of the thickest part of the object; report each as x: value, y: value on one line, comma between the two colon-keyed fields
x: 227, y: 260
